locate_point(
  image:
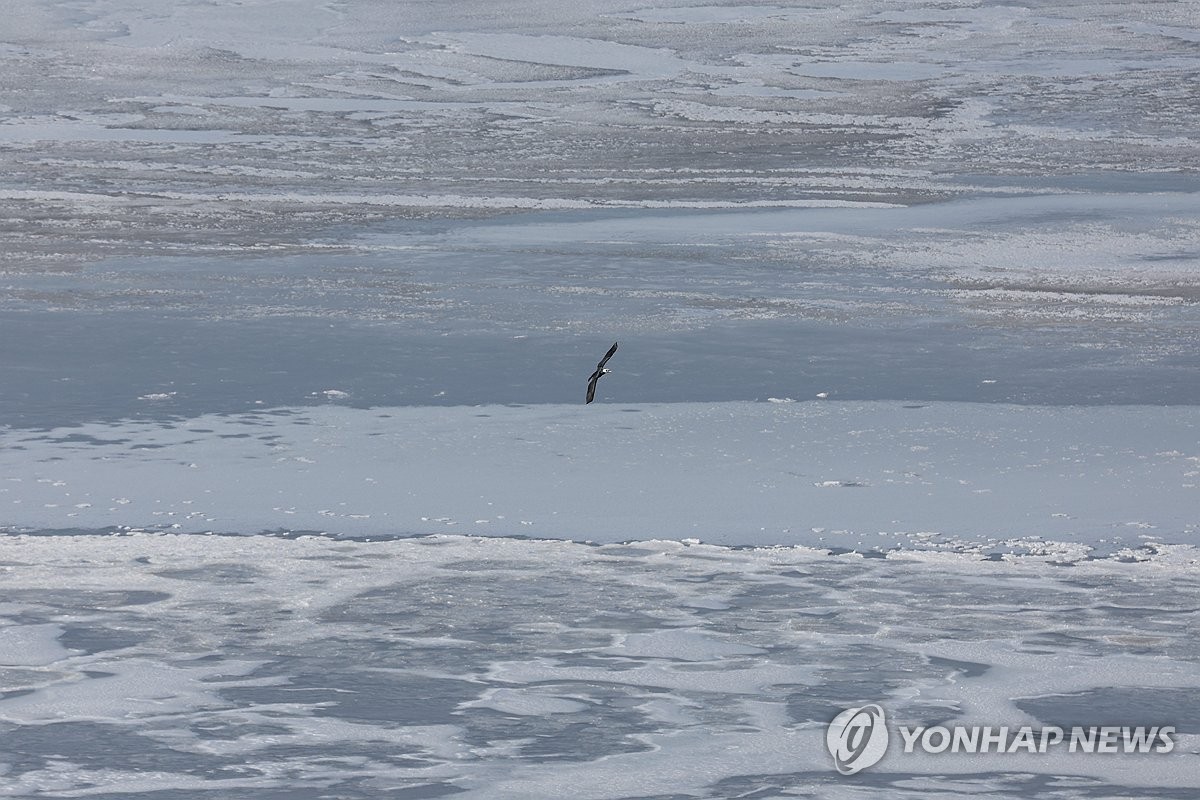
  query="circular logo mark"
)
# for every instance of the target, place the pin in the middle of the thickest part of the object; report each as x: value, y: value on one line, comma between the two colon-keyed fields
x: 857, y: 738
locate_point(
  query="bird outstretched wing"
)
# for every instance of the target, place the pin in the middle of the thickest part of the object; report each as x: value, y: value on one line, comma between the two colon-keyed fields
x: 607, y: 356
x: 591, y: 395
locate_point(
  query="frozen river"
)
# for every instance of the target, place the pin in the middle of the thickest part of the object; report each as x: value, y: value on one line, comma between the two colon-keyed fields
x: 298, y: 301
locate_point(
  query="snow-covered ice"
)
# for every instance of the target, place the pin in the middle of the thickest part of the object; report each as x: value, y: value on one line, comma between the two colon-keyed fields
x: 188, y: 666
x: 850, y: 475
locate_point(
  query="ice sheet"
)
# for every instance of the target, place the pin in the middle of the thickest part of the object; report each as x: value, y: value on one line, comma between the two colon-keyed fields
x: 986, y: 477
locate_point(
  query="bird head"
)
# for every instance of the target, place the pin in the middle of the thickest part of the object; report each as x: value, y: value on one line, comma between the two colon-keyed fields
x: 605, y: 371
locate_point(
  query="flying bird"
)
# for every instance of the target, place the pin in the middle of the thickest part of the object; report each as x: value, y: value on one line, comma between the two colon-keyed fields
x: 600, y: 370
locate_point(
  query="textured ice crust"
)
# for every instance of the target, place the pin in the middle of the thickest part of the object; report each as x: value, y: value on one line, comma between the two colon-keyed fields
x: 986, y: 478
x: 176, y: 666
x: 219, y: 125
